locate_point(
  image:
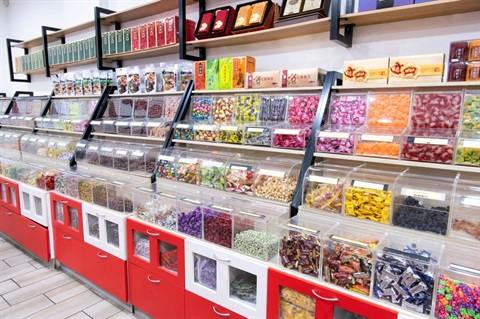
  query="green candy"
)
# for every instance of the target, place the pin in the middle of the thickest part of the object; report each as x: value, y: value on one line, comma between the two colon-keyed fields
x: 448, y: 297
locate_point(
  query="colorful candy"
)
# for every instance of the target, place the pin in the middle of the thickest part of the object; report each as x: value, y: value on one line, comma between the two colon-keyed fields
x: 217, y: 227
x: 326, y: 197
x: 457, y: 299
x: 201, y: 109
x: 468, y: 156
x: 273, y: 108
x: 222, y: 109
x: 348, y: 109
x: 471, y: 111
x: 301, y: 252
x: 382, y: 149
x: 190, y: 223
x: 436, y: 110
x: 389, y: 110
x: 246, y: 108
x: 239, y: 179
x: 367, y: 203
x: 302, y: 109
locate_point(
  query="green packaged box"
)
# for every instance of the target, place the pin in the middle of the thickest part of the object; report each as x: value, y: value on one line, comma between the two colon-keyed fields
x: 86, y: 49
x: 93, y: 46
x: 127, y: 40
x: 64, y: 53
x: 119, y: 35
x: 23, y: 58
x: 225, y: 72
x: 41, y: 59
x: 105, y: 43
x: 212, y: 74
x: 58, y: 48
x: 112, y: 40
x: 75, y: 51
x: 34, y: 61
x: 52, y: 55
x: 69, y: 52
x: 81, y: 51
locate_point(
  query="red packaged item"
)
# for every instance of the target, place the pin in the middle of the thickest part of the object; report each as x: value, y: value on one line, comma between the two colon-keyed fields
x: 223, y: 20
x: 135, y: 39
x: 473, y: 71
x: 457, y: 72
x: 142, y: 35
x: 160, y: 29
x: 172, y: 30
x: 200, y: 75
x: 151, y: 35
x: 204, y: 24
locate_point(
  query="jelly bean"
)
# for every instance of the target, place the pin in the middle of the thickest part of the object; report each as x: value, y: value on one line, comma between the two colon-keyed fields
x: 471, y: 112
x: 246, y: 108
x: 217, y: 227
x: 389, y: 110
x: 348, y: 109
x: 436, y: 110
x: 301, y: 252
x: 456, y: 298
x: 468, y: 156
x: 326, y: 197
x: 302, y: 109
x: 382, y: 149
x: 85, y: 190
x: 201, y: 109
x: 273, y: 108
x: 222, y: 109
x: 368, y: 203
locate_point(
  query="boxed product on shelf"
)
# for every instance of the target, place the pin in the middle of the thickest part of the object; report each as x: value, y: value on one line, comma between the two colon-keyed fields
x: 230, y: 133
x: 184, y: 131
x: 353, y: 273
x: 378, y: 141
x: 474, y: 50
x: 160, y: 32
x: 369, y: 71
x: 428, y: 145
x: 276, y: 179
x: 211, y: 74
x: 302, y: 108
x: 240, y: 174
x: 419, y: 68
x: 421, y: 258
x: 323, y: 187
x: 188, y: 167
x: 292, y: 136
x: 300, y: 245
x: 458, y: 283
x: 436, y: 109
x: 167, y: 163
x: 172, y: 30
x: 304, y: 77
x: 127, y: 39
x: 389, y: 109
x: 112, y: 43
x: 257, y: 134
x: 75, y: 51
x: 159, y: 128
x: 458, y: 51
x: 473, y: 71
x: 247, y: 107
x: 214, y: 23
x: 212, y: 170
x: 254, y: 16
x: 200, y: 70
x: 204, y: 24
x: 422, y: 203
x: 241, y: 67
x: 189, y: 213
x: 273, y: 108
x: 468, y: 148
x: 225, y: 76
x: 135, y: 38
x: 264, y: 80
x: 465, y: 222
x: 142, y: 37
x: 206, y: 132
x: 368, y: 194
x: 470, y: 119
x: 156, y: 204
x: 151, y: 35
x: 120, y: 45
x: 336, y: 139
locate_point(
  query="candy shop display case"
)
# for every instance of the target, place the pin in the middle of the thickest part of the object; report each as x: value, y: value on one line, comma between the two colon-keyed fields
x: 368, y: 194
x: 35, y: 203
x: 217, y: 218
x: 202, y: 308
x: 436, y: 110
x: 230, y: 280
x: 404, y: 272
x: 422, y: 203
x: 428, y: 145
x: 67, y: 215
x: 212, y: 169
x: 240, y: 174
x: 390, y: 109
x: 157, y: 128
x: 9, y: 195
x: 291, y: 136
x: 276, y: 179
x: 189, y: 213
x: 47, y: 147
x: 123, y: 127
x: 337, y: 139
x: 467, y: 151
x: 205, y: 132
x: 188, y: 167
x: 378, y: 142
x: 24, y: 111
x: 105, y: 154
x: 257, y: 134
x: 465, y: 220
x: 167, y: 163
x: 458, y: 281
x: 156, y: 204
x: 348, y: 109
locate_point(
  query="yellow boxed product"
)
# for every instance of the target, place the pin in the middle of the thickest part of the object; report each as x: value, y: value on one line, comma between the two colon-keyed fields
x: 225, y: 67
x: 304, y: 77
x: 417, y: 68
x: 361, y: 72
x: 241, y: 66
x: 263, y: 80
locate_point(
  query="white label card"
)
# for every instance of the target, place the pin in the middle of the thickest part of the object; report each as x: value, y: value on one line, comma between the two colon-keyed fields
x: 419, y: 193
x: 239, y: 168
x: 62, y: 144
x: 51, y: 144
x: 146, y: 189
x: 136, y: 123
x: 121, y: 152
x: 310, y: 230
x: 96, y: 122
x: 167, y: 195
x: 93, y: 148
x: 106, y: 149
x: 108, y: 122
x: 225, y: 209
x: 471, y: 143
x: 212, y: 163
x: 203, y: 127
x: 377, y: 186
x: 81, y: 145
x: 255, y: 129
x: 359, y: 243
x: 193, y: 201
x: 324, y: 180
x: 228, y: 128
x: 182, y: 126
x: 470, y: 201
x: 118, y: 183
x: 432, y: 141
x: 166, y: 158
x: 287, y: 131
x: 251, y: 214
x: 41, y: 140
x: 153, y: 124
x: 377, y: 138
x: 56, y: 120
x: 334, y: 134
x: 188, y: 160
x: 269, y: 172
x: 122, y: 123
x: 28, y: 118
x: 76, y: 121
x: 137, y: 153
x: 33, y: 140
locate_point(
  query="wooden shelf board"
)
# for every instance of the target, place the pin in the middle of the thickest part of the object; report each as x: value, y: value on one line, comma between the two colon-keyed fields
x: 302, y: 89
x: 411, y: 12
x: 76, y: 97
x: 378, y: 160
x: 146, y: 94
x: 243, y: 147
x: 50, y: 130
x: 32, y: 72
x: 147, y: 53
x: 411, y: 85
x: 130, y: 137
x: 58, y: 68
x: 17, y: 126
x: 142, y: 11
x: 279, y: 33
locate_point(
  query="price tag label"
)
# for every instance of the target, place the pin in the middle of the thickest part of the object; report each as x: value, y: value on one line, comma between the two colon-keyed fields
x: 310, y: 230
x: 432, y: 141
x: 136, y: 124
x: 33, y: 140
x: 153, y: 124
x: 63, y: 144
x: 377, y: 138
x: 188, y: 160
x: 225, y: 209
x: 182, y: 126
x: 203, y: 127
x: 106, y: 149
x: 137, y: 153
x: 255, y: 129
x: 228, y: 128
x: 359, y: 243
x: 419, y: 193
x: 7, y: 135
x: 471, y: 143
x: 13, y: 118
x: 166, y: 158
x: 269, y: 172
x: 167, y: 195
x: 251, y: 214
x: 239, y: 167
x: 324, y: 180
x: 121, y: 152
x: 56, y: 120
x: 67, y: 121
x: 96, y: 122
x: 122, y: 124
x: 76, y: 121
x: 334, y: 134
x: 29, y: 118
x: 470, y: 201
x: 212, y: 163
x: 108, y: 122
x: 93, y: 148
x: 81, y: 144
x: 146, y: 189
x: 193, y: 201
x: 51, y: 144
x: 287, y: 131
x: 42, y: 140
x: 377, y: 186
x: 118, y: 183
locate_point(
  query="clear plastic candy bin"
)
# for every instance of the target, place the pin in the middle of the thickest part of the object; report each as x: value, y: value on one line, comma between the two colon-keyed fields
x: 276, y: 179
x: 336, y: 139
x: 292, y: 136
x: 465, y: 223
x: 468, y: 148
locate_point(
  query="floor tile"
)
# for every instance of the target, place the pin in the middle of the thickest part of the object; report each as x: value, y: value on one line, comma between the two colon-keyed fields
x: 123, y: 315
x: 26, y: 308
x: 80, y: 315
x: 37, y: 288
x: 3, y: 265
x: 10, y: 252
x: 7, y: 286
x: 16, y: 271
x: 17, y: 260
x: 36, y: 264
x: 70, y: 306
x: 5, y: 246
x: 34, y: 276
x: 3, y: 304
x: 66, y: 291
x: 103, y: 309
x: 2, y: 240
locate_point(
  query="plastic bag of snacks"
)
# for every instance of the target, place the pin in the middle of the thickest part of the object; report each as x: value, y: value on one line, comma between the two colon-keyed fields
x: 122, y: 84
x: 56, y: 84
x: 134, y: 80
x: 186, y: 74
x: 87, y: 82
x: 96, y: 86
x: 63, y: 84
x: 150, y: 78
x: 70, y: 80
x: 169, y: 77
x: 78, y: 84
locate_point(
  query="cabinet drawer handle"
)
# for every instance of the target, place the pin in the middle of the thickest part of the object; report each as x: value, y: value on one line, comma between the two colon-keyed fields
x: 67, y: 237
x: 32, y: 226
x: 153, y: 280
x: 8, y: 213
x: 224, y: 260
x: 153, y: 234
x: 219, y: 313
x: 64, y: 201
x: 323, y: 298
x: 101, y: 256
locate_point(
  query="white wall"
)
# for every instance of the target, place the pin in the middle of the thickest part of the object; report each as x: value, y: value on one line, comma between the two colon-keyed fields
x: 23, y: 18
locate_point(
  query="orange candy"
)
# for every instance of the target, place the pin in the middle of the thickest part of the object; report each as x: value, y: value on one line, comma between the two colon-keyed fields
x: 378, y: 149
x: 389, y: 110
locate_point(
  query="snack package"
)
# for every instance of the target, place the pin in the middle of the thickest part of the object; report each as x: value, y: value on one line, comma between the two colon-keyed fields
x: 150, y: 78
x: 96, y: 86
x: 169, y: 77
x: 63, y: 84
x: 78, y: 84
x: 109, y: 78
x: 134, y: 80
x: 87, y: 82
x: 56, y: 85
x: 186, y: 74
x: 122, y: 84
x: 103, y: 80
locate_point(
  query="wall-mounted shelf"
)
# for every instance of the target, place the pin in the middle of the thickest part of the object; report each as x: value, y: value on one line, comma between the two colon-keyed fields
x: 58, y: 68
x: 419, y: 85
x: 146, y: 94
x: 76, y: 97
x: 148, y: 53
x: 130, y: 137
x: 32, y: 72
x: 240, y: 91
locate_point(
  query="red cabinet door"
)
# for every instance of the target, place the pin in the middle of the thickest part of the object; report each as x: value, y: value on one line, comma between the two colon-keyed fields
x: 69, y: 251
x: 9, y: 195
x: 156, y: 296
x: 324, y: 300
x: 156, y: 250
x: 8, y: 222
x: 33, y: 237
x: 106, y: 271
x: 67, y: 215
x: 197, y: 307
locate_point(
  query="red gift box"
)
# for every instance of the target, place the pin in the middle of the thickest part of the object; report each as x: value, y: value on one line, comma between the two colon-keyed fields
x: 160, y: 29
x: 223, y: 20
x: 151, y: 35
x: 204, y: 24
x: 172, y: 30
x: 143, y: 38
x: 135, y: 40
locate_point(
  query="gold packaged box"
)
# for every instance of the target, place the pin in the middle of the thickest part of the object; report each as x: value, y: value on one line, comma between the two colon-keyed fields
x: 416, y: 68
x: 365, y: 72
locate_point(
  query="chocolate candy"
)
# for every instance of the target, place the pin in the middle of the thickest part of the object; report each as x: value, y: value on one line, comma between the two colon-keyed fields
x: 239, y: 179
x: 471, y: 228
x: 222, y: 109
x: 457, y: 299
x: 348, y: 109
x: 217, y: 227
x: 302, y: 109
x: 190, y: 223
x: 301, y: 252
x: 273, y: 108
x: 246, y: 108
x: 201, y: 109
x: 140, y: 108
x: 436, y: 110
x: 471, y: 111
x: 155, y: 107
x: 366, y: 203
x: 326, y: 197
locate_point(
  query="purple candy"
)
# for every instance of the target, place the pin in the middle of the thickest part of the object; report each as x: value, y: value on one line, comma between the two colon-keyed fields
x: 348, y: 109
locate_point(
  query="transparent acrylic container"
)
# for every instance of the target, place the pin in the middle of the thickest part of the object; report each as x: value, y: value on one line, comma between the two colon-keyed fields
x: 368, y: 194
x: 137, y: 158
x: 348, y: 109
x: 138, y: 128
x: 336, y: 139
x: 201, y: 109
x: 99, y: 191
x: 378, y: 142
x: 212, y: 170
x: 467, y: 151
x: 61, y: 148
x: 390, y: 109
x: 273, y: 108
x: 353, y: 273
x: 428, y: 145
x: 171, y: 106
x: 276, y: 179
x: 206, y: 132
x: 79, y: 124
x: 291, y: 136
x: 156, y: 106
x: 85, y: 186
x: 28, y: 143
x: 140, y: 107
x: 457, y: 283
x: 120, y: 157
x: 125, y: 107
x: 156, y: 204
x: 230, y: 133
x: 166, y: 163
x: 300, y: 243
x: 188, y: 167
x: 97, y: 126
x: 218, y: 219
x: 470, y: 119
x: 151, y: 155
x: 222, y: 109
x: 189, y: 213
x: 465, y: 222
x: 436, y: 110
x: 123, y: 127
x: 158, y: 129
x: 257, y: 134
x: 66, y: 183
x: 422, y: 203
x: 247, y: 107
x: 81, y: 151
x: 119, y: 196
x: 105, y: 154
x: 240, y: 174
x: 302, y: 108
x: 323, y: 187
x: 413, y: 261
x: 108, y: 126
x: 184, y: 131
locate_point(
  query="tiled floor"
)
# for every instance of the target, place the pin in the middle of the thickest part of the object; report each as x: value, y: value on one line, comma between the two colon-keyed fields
x: 28, y: 289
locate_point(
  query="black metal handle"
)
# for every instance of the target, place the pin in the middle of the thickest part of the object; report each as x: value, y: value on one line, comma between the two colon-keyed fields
x: 10, y: 61
x: 335, y: 36
x: 45, y: 47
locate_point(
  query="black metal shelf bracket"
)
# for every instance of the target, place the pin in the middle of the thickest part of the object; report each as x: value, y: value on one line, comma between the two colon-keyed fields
x: 182, y: 16
x: 99, y: 110
x: 345, y: 39
x: 3, y: 94
x: 10, y: 61
x: 98, y: 11
x: 322, y: 110
x: 45, y: 47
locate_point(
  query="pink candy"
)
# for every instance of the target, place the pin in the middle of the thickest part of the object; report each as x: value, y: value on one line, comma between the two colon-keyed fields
x: 302, y: 109
x: 298, y: 141
x: 348, y: 109
x: 427, y: 153
x: 431, y: 110
x: 335, y: 145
